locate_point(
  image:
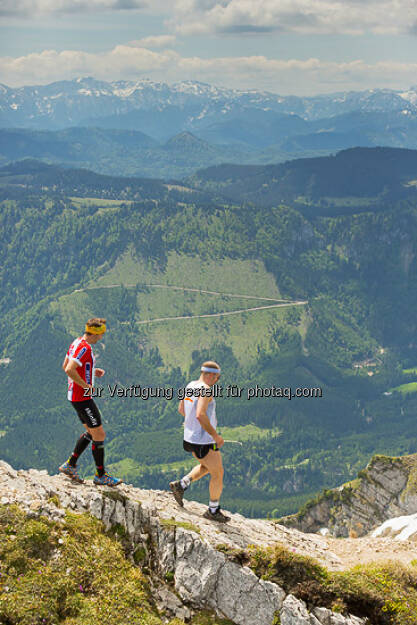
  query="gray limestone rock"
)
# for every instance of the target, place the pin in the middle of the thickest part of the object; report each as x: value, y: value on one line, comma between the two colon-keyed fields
x: 327, y: 617
x: 96, y: 506
x: 7, y: 469
x: 381, y: 492
x: 168, y: 602
x: 196, y: 568
x: 244, y: 598
x: 294, y: 612
x: 323, y: 615
x: 166, y: 551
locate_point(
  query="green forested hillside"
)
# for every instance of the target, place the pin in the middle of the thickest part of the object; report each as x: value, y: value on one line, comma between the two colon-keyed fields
x: 127, y: 152
x: 182, y: 277
x: 351, y: 181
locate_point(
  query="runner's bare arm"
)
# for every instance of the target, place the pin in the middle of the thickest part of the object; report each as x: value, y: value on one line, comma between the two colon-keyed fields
x: 181, y: 408
x: 201, y: 415
x: 64, y: 364
x: 71, y: 371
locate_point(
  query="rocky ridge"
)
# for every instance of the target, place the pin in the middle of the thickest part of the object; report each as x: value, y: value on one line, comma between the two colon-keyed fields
x: 387, y: 488
x: 180, y: 544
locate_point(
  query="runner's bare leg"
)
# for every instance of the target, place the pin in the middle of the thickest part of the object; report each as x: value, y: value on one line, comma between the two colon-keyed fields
x: 198, y: 471
x: 213, y: 463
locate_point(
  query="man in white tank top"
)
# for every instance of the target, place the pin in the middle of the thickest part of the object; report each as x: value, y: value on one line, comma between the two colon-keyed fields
x: 202, y: 440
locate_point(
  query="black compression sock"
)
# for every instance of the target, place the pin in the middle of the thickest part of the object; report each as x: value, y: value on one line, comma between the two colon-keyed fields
x: 98, y: 453
x: 81, y: 445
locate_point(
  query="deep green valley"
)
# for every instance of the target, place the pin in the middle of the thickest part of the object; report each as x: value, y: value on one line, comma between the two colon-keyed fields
x: 300, y: 275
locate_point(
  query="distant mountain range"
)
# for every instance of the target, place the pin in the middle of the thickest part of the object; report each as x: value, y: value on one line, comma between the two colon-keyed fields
x: 134, y: 128
x: 187, y: 105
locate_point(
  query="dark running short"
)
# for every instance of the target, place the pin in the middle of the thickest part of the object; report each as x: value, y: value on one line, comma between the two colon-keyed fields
x: 88, y: 412
x: 200, y: 451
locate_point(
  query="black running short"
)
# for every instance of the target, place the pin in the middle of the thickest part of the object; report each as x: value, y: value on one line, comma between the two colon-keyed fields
x: 88, y: 412
x: 200, y: 450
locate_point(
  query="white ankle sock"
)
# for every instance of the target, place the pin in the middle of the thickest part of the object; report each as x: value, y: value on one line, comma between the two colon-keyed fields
x: 185, y: 482
x: 213, y: 505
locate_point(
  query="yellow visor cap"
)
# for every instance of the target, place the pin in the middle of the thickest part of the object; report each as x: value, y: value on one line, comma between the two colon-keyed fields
x: 96, y: 329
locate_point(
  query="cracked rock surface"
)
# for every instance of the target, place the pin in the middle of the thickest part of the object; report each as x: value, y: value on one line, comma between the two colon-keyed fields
x: 181, y: 543
x: 385, y: 489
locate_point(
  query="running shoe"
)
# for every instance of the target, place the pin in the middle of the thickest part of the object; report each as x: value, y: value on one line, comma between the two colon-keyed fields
x: 71, y: 471
x: 216, y: 516
x: 106, y: 480
x: 178, y: 492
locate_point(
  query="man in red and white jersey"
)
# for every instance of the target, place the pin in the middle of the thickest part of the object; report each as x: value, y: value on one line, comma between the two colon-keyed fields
x: 79, y: 365
x: 81, y: 352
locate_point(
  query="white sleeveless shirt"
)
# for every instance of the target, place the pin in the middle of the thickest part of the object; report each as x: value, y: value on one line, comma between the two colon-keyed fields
x: 193, y: 432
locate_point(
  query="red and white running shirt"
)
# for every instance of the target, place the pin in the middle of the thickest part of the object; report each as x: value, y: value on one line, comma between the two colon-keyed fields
x: 81, y: 352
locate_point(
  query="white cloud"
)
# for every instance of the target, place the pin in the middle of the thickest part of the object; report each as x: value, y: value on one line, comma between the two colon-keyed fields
x: 50, y: 65
x: 298, y: 16
x: 157, y: 41
x: 299, y: 77
x: 248, y: 16
x: 36, y: 7
x: 191, y: 17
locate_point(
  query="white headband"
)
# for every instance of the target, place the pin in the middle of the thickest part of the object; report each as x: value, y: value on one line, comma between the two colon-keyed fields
x: 210, y: 370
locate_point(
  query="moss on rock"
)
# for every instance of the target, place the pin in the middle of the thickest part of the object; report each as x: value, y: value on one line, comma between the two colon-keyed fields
x: 71, y: 573
x: 172, y: 524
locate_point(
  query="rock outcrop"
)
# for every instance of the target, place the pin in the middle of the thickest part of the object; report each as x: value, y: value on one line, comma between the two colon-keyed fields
x: 179, y: 545
x: 386, y: 488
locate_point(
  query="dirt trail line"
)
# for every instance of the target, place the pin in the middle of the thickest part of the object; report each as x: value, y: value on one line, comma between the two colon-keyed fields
x: 279, y: 302
x: 221, y: 314
x: 179, y: 288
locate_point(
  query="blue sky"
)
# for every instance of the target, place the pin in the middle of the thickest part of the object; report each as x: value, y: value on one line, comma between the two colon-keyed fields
x: 300, y: 47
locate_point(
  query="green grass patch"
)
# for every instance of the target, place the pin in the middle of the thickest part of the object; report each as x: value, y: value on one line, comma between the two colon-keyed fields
x: 55, y: 500
x: 350, y: 201
x: 405, y: 389
x: 72, y: 573
x: 249, y: 432
x: 172, y: 523
x: 139, y: 555
x: 244, y: 277
x: 245, y: 334
x: 411, y: 463
x: 97, y: 201
x: 207, y: 618
x: 115, y: 495
x: 55, y: 573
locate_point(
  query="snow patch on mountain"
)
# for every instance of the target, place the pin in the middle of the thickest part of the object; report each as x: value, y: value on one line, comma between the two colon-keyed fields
x: 400, y: 528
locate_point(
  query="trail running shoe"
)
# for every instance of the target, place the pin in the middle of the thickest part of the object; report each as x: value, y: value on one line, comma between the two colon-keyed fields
x: 106, y: 480
x: 216, y: 516
x: 178, y: 492
x: 71, y: 471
